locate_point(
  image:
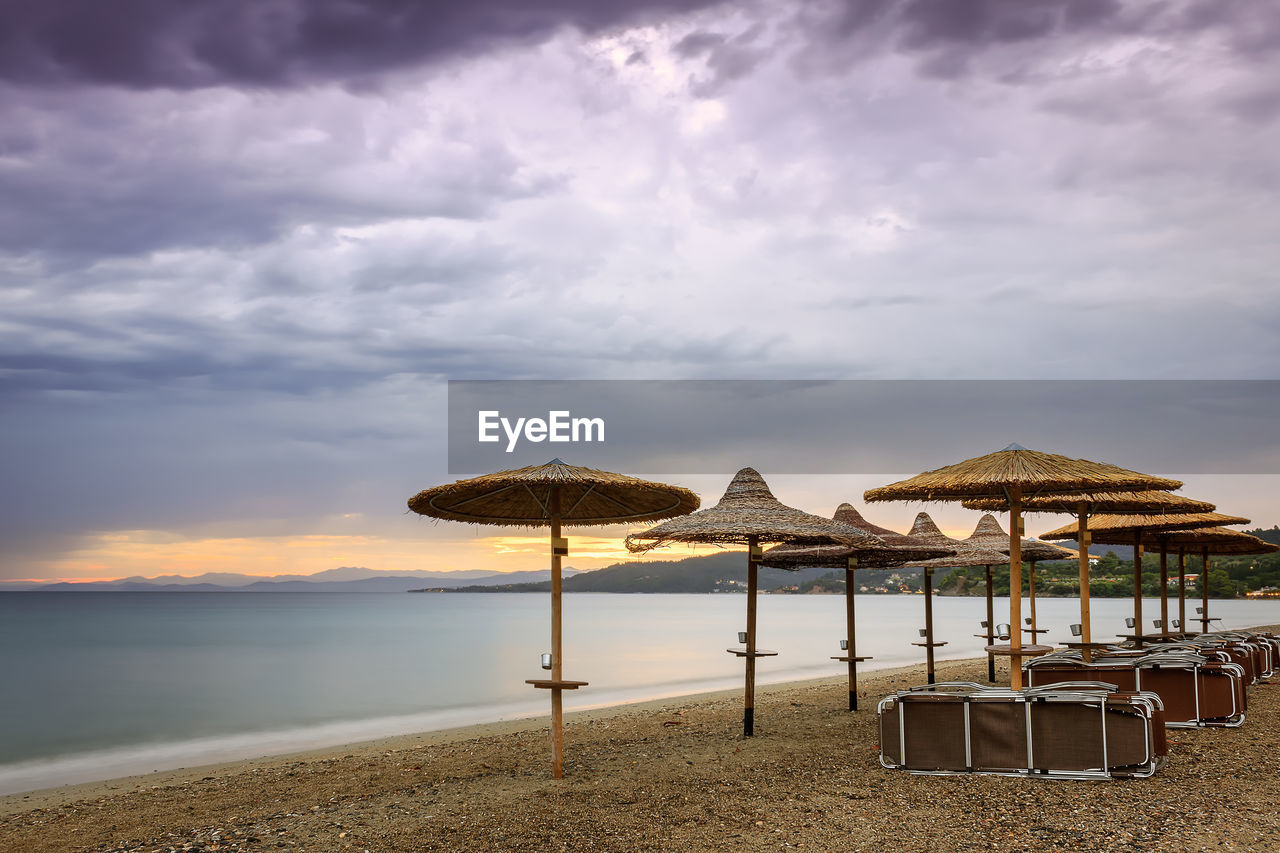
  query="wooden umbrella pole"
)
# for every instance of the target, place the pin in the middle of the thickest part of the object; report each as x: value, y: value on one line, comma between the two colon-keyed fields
x: 1204, y: 590
x: 1015, y: 586
x: 557, y: 669
x: 1031, y: 589
x: 928, y: 622
x: 1082, y: 540
x: 991, y: 626
x: 1164, y: 584
x: 1182, y: 591
x: 853, y: 646
x: 749, y: 701
x: 1137, y: 585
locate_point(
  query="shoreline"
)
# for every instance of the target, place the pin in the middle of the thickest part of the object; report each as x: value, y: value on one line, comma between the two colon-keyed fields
x: 665, y: 774
x: 59, y: 794
x: 162, y: 760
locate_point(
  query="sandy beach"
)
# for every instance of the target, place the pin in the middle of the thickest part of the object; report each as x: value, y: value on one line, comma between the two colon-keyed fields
x: 673, y: 774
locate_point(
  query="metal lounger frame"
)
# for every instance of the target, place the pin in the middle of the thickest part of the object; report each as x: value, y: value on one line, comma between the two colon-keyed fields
x: 1071, y: 691
x: 1166, y: 657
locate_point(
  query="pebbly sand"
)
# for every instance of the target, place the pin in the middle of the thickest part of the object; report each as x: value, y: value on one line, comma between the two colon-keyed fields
x: 676, y: 775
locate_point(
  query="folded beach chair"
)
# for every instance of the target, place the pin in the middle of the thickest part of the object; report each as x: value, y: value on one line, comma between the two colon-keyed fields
x: 1272, y: 646
x: 1264, y: 649
x: 1248, y: 655
x: 1081, y: 730
x: 1194, y: 691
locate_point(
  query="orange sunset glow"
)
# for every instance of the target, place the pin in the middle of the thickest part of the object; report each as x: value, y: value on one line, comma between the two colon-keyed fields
x: 151, y: 553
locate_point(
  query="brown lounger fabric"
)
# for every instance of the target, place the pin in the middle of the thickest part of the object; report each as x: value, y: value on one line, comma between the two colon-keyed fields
x: 1201, y: 693
x: 999, y: 735
x: 1067, y: 731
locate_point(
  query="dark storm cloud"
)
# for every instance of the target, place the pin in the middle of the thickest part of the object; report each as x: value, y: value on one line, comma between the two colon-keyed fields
x: 924, y: 25
x: 698, y: 43
x: 145, y: 44
x: 929, y: 24
x: 251, y: 356
x: 169, y: 367
x: 947, y: 38
x: 727, y: 59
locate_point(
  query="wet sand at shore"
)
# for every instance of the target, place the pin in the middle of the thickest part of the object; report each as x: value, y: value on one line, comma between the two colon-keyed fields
x: 672, y: 774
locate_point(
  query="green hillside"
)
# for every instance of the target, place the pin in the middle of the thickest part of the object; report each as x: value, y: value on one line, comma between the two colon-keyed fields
x: 1112, y: 577
x: 726, y: 571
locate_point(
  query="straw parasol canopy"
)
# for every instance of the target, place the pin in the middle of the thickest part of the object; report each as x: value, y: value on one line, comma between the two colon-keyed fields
x: 1143, y: 502
x: 748, y: 514
x: 748, y: 510
x: 1033, y: 472
x: 990, y: 536
x: 795, y: 557
x: 552, y: 495
x: 964, y: 553
x: 1010, y: 475
x: 1102, y: 525
x: 521, y: 497
x: 893, y: 549
x: 1221, y: 540
x: 849, y: 514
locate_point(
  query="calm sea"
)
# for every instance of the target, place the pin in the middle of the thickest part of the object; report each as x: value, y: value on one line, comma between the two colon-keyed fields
x: 98, y: 685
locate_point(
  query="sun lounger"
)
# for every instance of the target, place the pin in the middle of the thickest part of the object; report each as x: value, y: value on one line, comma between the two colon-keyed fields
x: 1263, y: 648
x: 1195, y: 691
x: 1082, y: 730
x: 1249, y: 655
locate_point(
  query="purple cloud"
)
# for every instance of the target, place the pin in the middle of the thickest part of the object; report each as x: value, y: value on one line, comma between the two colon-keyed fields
x: 144, y: 44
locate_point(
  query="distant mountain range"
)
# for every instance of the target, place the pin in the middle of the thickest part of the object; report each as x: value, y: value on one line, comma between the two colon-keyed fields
x: 1124, y: 552
x: 344, y: 579
x: 722, y: 572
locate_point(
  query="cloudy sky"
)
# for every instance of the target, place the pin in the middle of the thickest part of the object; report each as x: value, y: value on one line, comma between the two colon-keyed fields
x: 244, y: 244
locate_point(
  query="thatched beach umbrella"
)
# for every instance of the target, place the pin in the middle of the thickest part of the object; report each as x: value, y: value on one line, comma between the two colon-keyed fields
x: 1107, y: 528
x: 963, y: 555
x: 1082, y: 506
x: 1010, y: 475
x: 748, y: 514
x: 902, y: 550
x: 1207, y: 541
x: 553, y: 495
x: 990, y: 536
